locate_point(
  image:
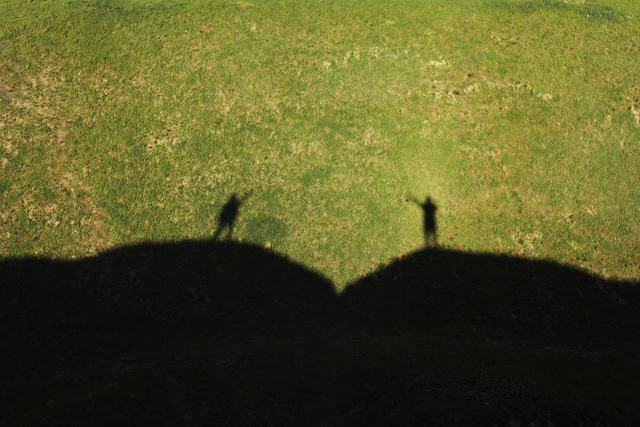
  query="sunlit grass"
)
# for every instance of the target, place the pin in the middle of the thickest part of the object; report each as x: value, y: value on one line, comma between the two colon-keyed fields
x: 128, y: 121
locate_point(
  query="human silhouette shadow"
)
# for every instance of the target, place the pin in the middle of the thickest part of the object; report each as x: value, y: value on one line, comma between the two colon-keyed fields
x: 429, y: 225
x: 228, y: 216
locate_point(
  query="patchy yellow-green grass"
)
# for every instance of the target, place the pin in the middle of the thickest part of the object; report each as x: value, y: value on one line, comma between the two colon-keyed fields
x: 131, y: 121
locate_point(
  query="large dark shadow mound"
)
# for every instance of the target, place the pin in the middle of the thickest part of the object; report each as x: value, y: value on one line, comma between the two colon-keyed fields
x: 497, y: 297
x: 147, y: 290
x: 209, y: 333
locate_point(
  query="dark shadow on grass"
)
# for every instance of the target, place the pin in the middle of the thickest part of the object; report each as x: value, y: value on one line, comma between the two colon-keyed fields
x: 146, y: 291
x: 497, y: 297
x: 586, y: 9
x: 429, y: 224
x: 209, y: 333
x: 228, y: 215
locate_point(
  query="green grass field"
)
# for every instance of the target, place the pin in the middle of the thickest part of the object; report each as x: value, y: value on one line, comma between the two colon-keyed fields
x: 129, y: 121
x: 126, y: 125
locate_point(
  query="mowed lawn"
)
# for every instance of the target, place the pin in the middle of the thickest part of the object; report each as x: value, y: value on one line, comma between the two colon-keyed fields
x: 128, y: 121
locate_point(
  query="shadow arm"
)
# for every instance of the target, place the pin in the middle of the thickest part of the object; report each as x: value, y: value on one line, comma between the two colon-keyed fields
x: 413, y: 199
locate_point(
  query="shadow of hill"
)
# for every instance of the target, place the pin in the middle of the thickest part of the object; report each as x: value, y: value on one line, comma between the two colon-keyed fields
x: 497, y: 297
x: 214, y: 288
x: 206, y: 333
x: 147, y: 289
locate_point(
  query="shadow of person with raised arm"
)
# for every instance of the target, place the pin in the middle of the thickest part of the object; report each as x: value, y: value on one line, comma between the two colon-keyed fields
x: 229, y: 214
x: 430, y: 227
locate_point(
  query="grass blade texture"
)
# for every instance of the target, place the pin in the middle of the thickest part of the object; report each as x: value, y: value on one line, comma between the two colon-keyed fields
x: 130, y: 121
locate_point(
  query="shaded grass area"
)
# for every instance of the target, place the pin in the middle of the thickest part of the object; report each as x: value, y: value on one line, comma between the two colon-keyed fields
x: 131, y: 121
x: 201, y: 332
x: 596, y: 10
